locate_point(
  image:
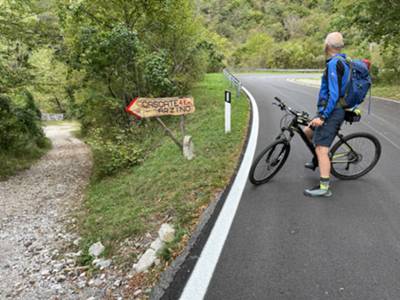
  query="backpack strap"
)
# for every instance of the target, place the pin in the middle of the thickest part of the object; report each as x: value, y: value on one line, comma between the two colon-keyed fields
x: 348, y: 62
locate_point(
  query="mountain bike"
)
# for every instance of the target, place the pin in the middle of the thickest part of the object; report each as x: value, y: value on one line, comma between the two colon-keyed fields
x: 352, y: 156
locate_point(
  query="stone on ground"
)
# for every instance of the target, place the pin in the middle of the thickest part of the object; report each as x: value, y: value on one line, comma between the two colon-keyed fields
x: 146, y: 261
x: 157, y: 245
x: 166, y: 233
x: 96, y: 249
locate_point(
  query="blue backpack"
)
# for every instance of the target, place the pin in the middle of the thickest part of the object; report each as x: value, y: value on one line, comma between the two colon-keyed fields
x: 358, y: 83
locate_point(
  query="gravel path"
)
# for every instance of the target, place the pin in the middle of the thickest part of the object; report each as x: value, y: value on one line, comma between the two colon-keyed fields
x: 34, y: 209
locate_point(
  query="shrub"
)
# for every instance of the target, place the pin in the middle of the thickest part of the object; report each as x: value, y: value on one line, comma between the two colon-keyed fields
x: 113, y: 154
x: 21, y: 136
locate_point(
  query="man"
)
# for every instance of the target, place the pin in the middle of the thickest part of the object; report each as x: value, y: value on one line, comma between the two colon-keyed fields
x: 323, y: 128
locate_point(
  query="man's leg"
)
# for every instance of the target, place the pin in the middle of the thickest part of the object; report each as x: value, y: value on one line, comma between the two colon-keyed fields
x: 325, y: 169
x: 323, y: 161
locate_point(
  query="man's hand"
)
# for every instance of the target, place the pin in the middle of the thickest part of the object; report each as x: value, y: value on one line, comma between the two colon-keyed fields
x: 317, y: 122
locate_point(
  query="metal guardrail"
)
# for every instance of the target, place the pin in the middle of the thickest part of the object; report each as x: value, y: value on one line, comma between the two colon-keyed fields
x: 279, y: 70
x: 234, y: 81
x: 52, y: 117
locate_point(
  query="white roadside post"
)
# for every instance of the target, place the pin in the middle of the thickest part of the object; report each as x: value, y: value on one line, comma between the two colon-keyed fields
x: 228, y: 98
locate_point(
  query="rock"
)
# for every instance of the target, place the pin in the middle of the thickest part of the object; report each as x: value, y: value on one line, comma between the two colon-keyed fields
x: 95, y: 282
x: 137, y: 293
x: 96, y: 249
x: 61, y: 278
x: 102, y: 263
x: 166, y: 233
x: 77, y: 241
x: 58, y: 267
x: 157, y: 245
x: 45, y: 272
x: 81, y: 284
x: 98, y: 282
x: 146, y: 261
x: 27, y: 244
x: 73, y: 254
x: 117, y: 283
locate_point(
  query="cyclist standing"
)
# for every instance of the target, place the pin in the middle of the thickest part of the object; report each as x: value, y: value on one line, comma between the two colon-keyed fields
x: 323, y: 128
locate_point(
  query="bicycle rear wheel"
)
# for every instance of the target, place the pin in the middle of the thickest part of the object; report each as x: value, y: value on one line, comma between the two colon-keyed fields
x: 355, y: 155
x: 269, y: 162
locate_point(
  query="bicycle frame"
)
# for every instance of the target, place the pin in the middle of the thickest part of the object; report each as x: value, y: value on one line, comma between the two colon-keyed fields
x: 294, y: 127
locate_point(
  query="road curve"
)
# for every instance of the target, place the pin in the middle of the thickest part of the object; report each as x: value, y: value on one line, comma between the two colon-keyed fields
x: 284, y: 246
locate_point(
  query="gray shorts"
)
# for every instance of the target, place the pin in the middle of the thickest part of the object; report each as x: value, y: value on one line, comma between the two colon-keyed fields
x: 325, y: 134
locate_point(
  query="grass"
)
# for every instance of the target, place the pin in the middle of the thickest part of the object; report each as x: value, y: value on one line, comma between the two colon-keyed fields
x: 166, y: 185
x: 386, y: 91
x: 391, y: 91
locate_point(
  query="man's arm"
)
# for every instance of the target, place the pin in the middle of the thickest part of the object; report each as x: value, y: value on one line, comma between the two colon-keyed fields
x: 333, y: 89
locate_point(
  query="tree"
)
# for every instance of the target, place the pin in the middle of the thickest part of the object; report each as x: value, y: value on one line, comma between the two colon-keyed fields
x: 377, y: 20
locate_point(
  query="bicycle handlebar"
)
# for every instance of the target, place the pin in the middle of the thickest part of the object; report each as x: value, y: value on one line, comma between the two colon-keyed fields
x: 304, y: 115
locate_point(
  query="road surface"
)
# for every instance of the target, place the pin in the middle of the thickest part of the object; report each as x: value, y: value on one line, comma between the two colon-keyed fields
x: 283, y: 245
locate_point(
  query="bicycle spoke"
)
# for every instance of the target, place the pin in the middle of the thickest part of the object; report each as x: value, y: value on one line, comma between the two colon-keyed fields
x: 354, y: 156
x: 269, y: 162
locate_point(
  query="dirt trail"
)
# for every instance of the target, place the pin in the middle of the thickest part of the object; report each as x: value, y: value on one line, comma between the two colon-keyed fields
x: 34, y: 206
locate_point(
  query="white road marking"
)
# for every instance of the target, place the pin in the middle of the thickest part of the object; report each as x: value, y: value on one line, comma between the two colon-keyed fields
x: 197, y: 285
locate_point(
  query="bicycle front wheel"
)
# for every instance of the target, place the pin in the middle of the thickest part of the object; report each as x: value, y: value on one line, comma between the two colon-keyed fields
x: 269, y: 162
x: 355, y: 155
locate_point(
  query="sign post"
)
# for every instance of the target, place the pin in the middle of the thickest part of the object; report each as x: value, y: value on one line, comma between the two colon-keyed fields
x: 157, y: 107
x: 228, y: 100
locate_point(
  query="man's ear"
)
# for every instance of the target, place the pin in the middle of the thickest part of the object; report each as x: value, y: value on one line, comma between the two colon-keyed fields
x: 326, y: 49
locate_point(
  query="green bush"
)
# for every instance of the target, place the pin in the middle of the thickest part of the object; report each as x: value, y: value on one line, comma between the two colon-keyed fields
x: 21, y: 136
x: 110, y: 157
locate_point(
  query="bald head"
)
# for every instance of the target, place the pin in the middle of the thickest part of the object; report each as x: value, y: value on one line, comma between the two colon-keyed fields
x: 334, y: 40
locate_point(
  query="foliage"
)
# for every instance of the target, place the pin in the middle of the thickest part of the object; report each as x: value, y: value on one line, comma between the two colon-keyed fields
x: 289, y: 34
x: 145, y: 48
x: 110, y: 156
x: 165, y: 183
x: 21, y: 137
x: 377, y: 20
x: 23, y: 27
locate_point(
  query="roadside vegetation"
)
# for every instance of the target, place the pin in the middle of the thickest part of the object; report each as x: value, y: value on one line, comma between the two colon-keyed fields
x: 387, y: 91
x: 164, y: 185
x: 22, y: 140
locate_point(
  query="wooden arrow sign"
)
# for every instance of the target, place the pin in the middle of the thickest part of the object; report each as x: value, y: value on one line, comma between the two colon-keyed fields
x: 157, y: 107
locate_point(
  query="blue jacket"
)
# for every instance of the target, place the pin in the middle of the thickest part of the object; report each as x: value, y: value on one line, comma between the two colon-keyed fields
x: 333, y: 85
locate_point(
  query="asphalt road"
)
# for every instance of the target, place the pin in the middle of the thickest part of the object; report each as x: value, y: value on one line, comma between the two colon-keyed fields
x: 283, y: 245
